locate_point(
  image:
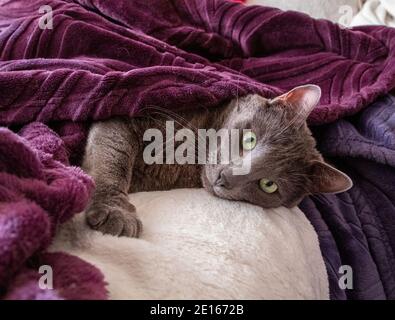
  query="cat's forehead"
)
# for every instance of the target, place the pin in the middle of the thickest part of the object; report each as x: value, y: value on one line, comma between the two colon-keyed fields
x: 258, y: 113
x: 246, y: 109
x: 253, y: 100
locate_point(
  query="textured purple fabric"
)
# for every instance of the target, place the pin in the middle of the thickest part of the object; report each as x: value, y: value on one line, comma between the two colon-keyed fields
x: 37, y: 192
x: 105, y: 58
x: 357, y: 228
x: 118, y: 57
x: 74, y: 279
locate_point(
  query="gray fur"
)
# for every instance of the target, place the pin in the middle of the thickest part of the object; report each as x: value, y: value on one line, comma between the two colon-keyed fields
x: 285, y: 153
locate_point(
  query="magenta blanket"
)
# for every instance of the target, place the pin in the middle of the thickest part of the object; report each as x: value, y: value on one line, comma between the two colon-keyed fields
x: 121, y: 57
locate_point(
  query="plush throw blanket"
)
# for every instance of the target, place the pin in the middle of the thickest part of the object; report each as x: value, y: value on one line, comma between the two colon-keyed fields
x: 106, y: 58
x: 118, y: 57
x: 376, y: 12
x: 232, y: 250
x: 357, y: 228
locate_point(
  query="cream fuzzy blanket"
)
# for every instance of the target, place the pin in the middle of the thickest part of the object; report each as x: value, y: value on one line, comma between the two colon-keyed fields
x: 376, y: 12
x: 196, y: 246
x: 321, y: 9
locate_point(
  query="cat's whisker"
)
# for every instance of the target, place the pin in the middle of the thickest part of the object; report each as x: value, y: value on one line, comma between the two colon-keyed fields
x: 187, y: 125
x: 174, y: 115
x: 162, y: 126
x: 171, y: 138
x: 195, y: 147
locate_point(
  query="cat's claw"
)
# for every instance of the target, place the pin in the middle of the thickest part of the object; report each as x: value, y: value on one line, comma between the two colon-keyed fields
x: 116, y: 221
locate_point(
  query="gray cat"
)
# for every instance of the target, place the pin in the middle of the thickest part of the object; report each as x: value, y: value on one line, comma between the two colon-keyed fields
x: 285, y: 165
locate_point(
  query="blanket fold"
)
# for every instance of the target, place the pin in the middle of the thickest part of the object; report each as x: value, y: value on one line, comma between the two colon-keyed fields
x: 376, y: 12
x: 357, y: 228
x: 132, y: 54
x: 106, y: 58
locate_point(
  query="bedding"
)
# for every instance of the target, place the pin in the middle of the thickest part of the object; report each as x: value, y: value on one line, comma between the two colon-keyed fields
x: 376, y: 12
x: 104, y: 58
x: 196, y: 246
x: 357, y: 228
x: 320, y: 9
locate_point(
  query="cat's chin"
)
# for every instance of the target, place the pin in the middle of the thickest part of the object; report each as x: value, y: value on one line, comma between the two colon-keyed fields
x: 206, y: 183
x: 214, y: 190
x: 219, y: 192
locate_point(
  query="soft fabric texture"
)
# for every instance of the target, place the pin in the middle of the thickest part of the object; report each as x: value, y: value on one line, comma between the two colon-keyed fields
x: 119, y: 57
x: 106, y: 58
x: 357, y: 228
x: 197, y: 246
x: 37, y: 192
x: 320, y: 9
x: 376, y: 12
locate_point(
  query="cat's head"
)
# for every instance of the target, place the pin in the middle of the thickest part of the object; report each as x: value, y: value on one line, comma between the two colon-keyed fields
x: 284, y: 163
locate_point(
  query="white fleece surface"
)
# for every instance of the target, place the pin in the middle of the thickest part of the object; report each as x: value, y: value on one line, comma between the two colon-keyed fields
x: 196, y: 246
x: 376, y: 12
x: 321, y: 9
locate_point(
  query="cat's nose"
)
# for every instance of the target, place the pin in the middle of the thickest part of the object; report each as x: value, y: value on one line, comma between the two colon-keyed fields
x: 222, y: 181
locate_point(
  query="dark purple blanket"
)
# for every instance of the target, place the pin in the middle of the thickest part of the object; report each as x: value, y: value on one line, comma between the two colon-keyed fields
x: 105, y: 58
x: 357, y: 228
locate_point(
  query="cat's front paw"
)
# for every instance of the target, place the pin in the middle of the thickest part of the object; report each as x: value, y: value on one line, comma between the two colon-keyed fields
x: 114, y: 220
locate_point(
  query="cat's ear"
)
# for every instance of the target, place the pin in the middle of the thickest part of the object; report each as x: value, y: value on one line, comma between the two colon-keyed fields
x: 327, y: 179
x: 302, y: 99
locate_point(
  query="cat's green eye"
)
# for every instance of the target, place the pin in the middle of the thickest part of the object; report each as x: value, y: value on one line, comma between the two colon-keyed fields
x: 249, y: 140
x: 268, y: 186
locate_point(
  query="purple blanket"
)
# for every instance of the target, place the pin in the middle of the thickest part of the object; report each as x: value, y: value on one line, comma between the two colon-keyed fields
x: 105, y: 58
x: 357, y: 228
